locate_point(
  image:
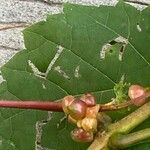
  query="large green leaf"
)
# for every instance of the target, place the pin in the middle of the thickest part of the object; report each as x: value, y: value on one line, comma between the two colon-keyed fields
x: 82, y: 32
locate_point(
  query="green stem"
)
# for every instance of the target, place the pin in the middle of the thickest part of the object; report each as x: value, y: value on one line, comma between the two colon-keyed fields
x: 123, y: 141
x: 123, y: 126
x: 101, y: 141
x: 128, y: 123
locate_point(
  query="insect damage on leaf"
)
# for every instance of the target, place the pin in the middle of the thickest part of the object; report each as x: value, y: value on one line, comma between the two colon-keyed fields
x: 61, y: 120
x: 76, y: 72
x: 41, y: 74
x: 43, y: 86
x: 36, y: 70
x: 138, y: 27
x: 61, y: 72
x: 39, y: 129
x: 108, y: 48
x: 57, y: 55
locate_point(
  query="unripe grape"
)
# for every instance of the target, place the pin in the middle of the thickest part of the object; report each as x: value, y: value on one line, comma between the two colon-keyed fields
x: 80, y: 135
x: 92, y: 111
x: 89, y: 124
x: 89, y: 99
x: 67, y: 100
x: 77, y: 109
x: 134, y: 92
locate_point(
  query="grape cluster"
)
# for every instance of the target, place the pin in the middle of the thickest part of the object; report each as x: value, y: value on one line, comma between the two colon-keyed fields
x: 82, y: 112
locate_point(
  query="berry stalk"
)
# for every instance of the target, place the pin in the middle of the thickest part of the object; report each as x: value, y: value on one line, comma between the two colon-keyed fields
x: 123, y: 141
x: 57, y: 106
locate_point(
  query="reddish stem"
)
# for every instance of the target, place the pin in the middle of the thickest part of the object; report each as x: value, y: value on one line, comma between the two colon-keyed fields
x: 57, y: 106
x: 48, y: 106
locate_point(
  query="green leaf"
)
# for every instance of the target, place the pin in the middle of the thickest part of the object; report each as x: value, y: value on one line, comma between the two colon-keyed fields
x: 70, y: 45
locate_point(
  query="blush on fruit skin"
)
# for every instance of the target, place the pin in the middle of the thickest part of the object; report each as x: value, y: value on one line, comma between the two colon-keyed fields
x: 77, y: 109
x: 134, y: 92
x: 89, y: 99
x: 80, y: 135
x: 67, y: 100
x: 92, y: 111
x: 89, y: 124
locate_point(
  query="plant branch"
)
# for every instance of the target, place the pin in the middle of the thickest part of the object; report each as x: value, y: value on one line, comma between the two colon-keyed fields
x: 128, y: 123
x: 57, y: 106
x: 123, y: 141
x: 47, y: 106
x: 123, y: 126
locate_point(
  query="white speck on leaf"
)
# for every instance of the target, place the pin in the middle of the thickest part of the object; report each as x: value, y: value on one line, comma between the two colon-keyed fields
x: 60, y: 71
x: 43, y: 86
x: 76, y: 72
x: 12, y: 144
x: 120, y: 56
x: 138, y: 28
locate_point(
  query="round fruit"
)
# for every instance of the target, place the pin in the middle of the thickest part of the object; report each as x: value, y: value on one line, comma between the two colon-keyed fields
x: 77, y: 109
x: 80, y: 135
x: 92, y: 111
x: 89, y: 124
x: 134, y: 92
x: 66, y: 102
x: 89, y: 99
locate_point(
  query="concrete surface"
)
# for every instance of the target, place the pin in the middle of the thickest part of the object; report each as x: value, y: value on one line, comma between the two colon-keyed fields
x: 30, y: 11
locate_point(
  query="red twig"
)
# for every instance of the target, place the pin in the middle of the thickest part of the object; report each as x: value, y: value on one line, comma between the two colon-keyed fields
x: 48, y: 106
x: 57, y: 106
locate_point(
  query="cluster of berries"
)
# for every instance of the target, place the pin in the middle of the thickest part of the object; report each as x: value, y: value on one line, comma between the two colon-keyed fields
x: 83, y: 112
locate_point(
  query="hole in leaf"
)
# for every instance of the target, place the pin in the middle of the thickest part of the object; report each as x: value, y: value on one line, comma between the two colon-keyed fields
x: 113, y: 42
x: 113, y: 46
x: 121, y: 49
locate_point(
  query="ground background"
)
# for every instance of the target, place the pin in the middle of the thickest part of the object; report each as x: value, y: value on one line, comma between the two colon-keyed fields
x: 20, y: 12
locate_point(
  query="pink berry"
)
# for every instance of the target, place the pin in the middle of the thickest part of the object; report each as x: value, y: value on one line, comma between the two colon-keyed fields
x: 67, y: 100
x: 77, y: 109
x: 80, y: 135
x: 134, y: 92
x: 89, y: 99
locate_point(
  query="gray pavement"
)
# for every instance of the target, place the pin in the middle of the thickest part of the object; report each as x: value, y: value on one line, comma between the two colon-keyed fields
x: 30, y: 11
